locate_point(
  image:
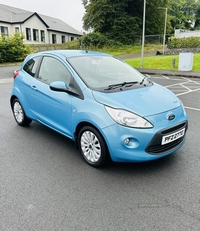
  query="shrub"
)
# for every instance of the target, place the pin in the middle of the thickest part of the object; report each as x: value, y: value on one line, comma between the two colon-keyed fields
x: 74, y: 45
x: 12, y: 48
x: 190, y: 42
x: 97, y: 40
x: 93, y: 39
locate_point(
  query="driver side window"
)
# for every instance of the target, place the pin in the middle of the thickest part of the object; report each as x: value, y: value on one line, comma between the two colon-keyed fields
x: 52, y: 69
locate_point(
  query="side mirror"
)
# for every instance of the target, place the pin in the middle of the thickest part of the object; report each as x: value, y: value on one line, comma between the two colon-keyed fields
x: 61, y: 86
x: 58, y: 86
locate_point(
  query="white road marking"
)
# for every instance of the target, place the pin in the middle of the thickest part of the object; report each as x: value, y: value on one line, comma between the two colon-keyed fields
x: 175, y: 84
x: 165, y: 77
x: 9, y: 80
x: 188, y: 92
x: 185, y: 87
x: 192, y: 108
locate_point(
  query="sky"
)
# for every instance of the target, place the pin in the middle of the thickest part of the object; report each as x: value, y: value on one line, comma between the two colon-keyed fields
x: 69, y: 11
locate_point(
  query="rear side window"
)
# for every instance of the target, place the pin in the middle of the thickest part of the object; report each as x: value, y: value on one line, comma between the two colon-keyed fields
x: 31, y: 66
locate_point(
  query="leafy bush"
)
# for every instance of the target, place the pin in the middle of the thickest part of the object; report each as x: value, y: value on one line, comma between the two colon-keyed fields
x: 93, y: 39
x: 190, y: 42
x: 74, y: 45
x: 97, y: 40
x: 12, y: 48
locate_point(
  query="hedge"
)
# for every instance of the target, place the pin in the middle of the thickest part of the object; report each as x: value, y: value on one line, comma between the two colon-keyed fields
x: 190, y: 42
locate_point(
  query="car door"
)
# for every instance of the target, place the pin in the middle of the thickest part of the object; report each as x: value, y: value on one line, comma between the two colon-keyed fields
x: 50, y: 107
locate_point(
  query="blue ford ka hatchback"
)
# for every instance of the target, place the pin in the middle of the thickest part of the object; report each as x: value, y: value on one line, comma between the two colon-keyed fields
x: 107, y: 107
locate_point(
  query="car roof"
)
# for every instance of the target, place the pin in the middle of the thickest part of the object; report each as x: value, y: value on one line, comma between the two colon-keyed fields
x: 70, y: 53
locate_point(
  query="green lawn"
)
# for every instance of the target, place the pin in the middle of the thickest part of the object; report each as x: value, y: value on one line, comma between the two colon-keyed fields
x: 162, y: 62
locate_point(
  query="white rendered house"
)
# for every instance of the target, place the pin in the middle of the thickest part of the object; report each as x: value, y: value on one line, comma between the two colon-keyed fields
x: 37, y: 28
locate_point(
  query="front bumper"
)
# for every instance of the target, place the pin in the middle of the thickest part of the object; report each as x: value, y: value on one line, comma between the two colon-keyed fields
x: 127, y: 144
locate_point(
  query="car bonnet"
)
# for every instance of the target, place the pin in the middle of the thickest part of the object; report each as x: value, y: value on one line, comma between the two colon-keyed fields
x: 144, y: 101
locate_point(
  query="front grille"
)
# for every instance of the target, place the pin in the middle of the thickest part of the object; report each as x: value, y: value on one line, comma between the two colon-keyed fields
x: 173, y: 129
x: 155, y: 146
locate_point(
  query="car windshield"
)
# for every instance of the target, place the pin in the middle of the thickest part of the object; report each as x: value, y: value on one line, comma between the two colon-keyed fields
x: 105, y: 72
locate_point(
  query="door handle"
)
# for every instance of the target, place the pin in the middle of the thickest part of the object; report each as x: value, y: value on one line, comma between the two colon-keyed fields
x: 34, y: 87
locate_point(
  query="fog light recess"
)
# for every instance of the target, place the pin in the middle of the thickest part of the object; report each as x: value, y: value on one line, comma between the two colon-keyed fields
x: 131, y: 142
x: 126, y: 141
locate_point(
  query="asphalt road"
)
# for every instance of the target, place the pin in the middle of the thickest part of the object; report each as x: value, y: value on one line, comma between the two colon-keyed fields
x: 45, y: 184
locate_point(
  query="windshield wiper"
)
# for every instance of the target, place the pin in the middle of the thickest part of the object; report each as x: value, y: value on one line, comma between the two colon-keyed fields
x: 117, y: 85
x: 142, y: 81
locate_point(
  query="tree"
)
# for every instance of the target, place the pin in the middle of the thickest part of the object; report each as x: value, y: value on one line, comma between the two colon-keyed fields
x: 123, y: 19
x: 197, y: 16
x: 111, y: 19
x: 184, y: 13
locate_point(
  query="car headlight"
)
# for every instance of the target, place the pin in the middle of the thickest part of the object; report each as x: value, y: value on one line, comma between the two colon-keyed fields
x: 127, y: 118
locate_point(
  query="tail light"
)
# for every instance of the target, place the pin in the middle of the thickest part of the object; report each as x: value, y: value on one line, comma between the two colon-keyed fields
x: 15, y: 74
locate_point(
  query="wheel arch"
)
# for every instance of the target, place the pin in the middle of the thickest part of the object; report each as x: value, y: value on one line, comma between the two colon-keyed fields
x: 83, y: 124
x: 107, y: 157
x: 24, y: 120
x: 12, y: 98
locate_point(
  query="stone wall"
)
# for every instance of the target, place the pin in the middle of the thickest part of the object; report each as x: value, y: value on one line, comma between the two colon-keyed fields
x: 181, y: 50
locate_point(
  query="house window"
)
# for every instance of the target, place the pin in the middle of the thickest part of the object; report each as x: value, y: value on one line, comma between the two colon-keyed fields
x: 28, y: 34
x: 72, y: 38
x: 4, y: 31
x: 53, y: 38
x: 42, y: 36
x: 35, y: 35
x: 17, y: 29
x: 63, y: 38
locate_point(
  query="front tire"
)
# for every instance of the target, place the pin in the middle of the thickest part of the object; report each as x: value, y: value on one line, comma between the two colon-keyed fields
x: 92, y: 146
x: 19, y: 113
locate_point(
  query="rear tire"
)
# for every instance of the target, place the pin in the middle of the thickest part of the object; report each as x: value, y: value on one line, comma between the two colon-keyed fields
x: 92, y: 146
x: 19, y: 113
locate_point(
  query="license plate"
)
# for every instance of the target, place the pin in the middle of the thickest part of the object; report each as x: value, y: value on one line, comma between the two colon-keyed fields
x: 174, y: 136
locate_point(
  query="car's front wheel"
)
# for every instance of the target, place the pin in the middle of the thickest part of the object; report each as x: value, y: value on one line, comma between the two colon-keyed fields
x: 92, y: 146
x: 19, y: 113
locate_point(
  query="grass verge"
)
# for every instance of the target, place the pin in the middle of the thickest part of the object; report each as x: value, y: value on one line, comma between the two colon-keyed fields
x: 162, y: 62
